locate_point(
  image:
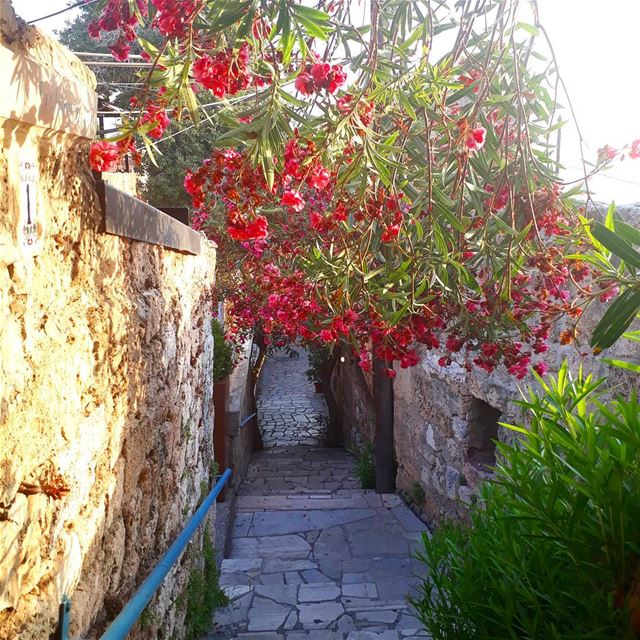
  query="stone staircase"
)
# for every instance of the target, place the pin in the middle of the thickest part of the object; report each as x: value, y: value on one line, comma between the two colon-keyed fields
x: 313, y: 556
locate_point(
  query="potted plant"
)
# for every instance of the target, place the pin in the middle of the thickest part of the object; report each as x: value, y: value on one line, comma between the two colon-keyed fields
x: 318, y: 356
x: 222, y: 367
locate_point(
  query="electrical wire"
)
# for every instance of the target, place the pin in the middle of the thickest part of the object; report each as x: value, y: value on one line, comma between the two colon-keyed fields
x: 607, y: 176
x: 102, y: 55
x: 57, y: 13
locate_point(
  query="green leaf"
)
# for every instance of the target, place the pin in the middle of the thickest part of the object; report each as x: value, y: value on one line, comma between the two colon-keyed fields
x: 529, y: 28
x: 608, y: 221
x: 191, y: 101
x: 623, y: 364
x: 310, y: 13
x: 627, y: 232
x: 616, y: 244
x: 245, y: 28
x: 314, y: 29
x: 616, y: 319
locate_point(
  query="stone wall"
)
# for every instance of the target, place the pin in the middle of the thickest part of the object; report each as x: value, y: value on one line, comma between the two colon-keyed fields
x: 445, y: 418
x: 105, y: 370
x: 240, y: 405
x: 352, y: 392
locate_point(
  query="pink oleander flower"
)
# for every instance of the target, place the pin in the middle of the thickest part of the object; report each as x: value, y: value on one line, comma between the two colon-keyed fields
x: 474, y: 139
x: 103, y: 155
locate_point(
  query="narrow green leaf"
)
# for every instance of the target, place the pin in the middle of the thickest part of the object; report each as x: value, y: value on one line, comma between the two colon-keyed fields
x: 623, y: 364
x: 616, y: 244
x: 616, y: 319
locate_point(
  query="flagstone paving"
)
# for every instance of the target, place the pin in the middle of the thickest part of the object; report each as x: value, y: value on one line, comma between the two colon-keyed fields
x: 314, y: 557
x: 290, y: 412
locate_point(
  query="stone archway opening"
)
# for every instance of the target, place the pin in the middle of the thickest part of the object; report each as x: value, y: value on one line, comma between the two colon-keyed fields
x: 483, y: 432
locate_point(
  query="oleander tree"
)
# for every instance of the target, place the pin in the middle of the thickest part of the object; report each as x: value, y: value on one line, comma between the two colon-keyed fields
x: 384, y: 174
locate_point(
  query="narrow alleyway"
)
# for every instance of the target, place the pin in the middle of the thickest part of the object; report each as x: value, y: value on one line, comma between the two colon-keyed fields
x: 312, y: 555
x: 290, y: 412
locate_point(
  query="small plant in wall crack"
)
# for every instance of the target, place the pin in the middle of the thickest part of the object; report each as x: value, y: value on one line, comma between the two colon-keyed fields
x: 147, y: 618
x: 318, y: 356
x: 416, y: 496
x: 214, y: 470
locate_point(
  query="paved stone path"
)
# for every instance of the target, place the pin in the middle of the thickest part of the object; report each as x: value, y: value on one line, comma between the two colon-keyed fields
x: 290, y: 412
x: 314, y: 557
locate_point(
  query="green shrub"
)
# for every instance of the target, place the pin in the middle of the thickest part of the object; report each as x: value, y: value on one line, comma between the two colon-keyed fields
x: 365, y: 465
x: 222, y: 353
x: 318, y: 356
x: 203, y: 594
x: 554, y: 552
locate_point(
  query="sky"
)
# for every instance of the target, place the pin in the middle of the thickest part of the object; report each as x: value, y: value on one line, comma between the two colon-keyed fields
x: 596, y: 44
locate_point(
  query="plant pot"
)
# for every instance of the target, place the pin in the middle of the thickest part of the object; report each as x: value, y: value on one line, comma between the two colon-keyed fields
x: 220, y: 452
x: 319, y: 387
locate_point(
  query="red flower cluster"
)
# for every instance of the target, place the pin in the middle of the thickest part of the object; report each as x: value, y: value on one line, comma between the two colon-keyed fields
x: 242, y: 229
x: 117, y: 16
x: 320, y: 76
x: 173, y: 16
x: 225, y: 72
x: 104, y: 155
x: 227, y: 179
x: 155, y: 115
x: 474, y: 138
x: 472, y: 78
x: 494, y: 330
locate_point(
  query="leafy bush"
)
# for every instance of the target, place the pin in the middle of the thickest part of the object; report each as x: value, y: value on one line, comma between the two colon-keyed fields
x: 203, y: 594
x: 554, y: 552
x: 365, y: 465
x: 318, y: 356
x: 222, y: 353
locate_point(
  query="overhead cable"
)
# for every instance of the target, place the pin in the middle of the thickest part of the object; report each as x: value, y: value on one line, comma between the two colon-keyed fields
x: 84, y: 3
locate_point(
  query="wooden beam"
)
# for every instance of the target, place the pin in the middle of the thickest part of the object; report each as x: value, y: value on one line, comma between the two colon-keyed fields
x: 131, y: 218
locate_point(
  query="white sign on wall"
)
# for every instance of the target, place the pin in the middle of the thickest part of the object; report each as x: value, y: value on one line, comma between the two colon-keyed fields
x: 31, y: 222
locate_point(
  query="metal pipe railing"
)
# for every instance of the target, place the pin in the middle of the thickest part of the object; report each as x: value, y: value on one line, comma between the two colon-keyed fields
x: 247, y: 419
x: 121, y: 626
x: 133, y: 610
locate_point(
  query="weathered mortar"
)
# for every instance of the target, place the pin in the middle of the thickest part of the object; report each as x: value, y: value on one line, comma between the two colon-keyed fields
x: 106, y: 411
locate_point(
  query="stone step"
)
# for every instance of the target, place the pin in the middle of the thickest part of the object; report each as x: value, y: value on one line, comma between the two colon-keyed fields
x: 288, y: 502
x: 322, y: 635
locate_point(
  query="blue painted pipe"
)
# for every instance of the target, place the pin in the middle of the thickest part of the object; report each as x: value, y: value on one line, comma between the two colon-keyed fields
x: 121, y: 626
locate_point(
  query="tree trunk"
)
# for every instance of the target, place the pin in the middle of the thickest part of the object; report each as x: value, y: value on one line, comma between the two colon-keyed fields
x: 334, y: 428
x: 384, y: 446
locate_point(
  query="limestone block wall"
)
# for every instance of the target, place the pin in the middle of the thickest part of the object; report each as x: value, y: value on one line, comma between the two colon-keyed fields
x: 352, y: 391
x: 445, y: 418
x: 106, y: 412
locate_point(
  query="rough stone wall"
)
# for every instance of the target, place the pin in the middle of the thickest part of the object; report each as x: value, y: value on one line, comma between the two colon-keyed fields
x: 435, y: 427
x: 105, y: 377
x: 240, y: 405
x: 352, y: 391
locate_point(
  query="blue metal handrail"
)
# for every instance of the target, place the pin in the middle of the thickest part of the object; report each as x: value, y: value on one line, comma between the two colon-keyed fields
x: 247, y: 419
x: 121, y: 626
